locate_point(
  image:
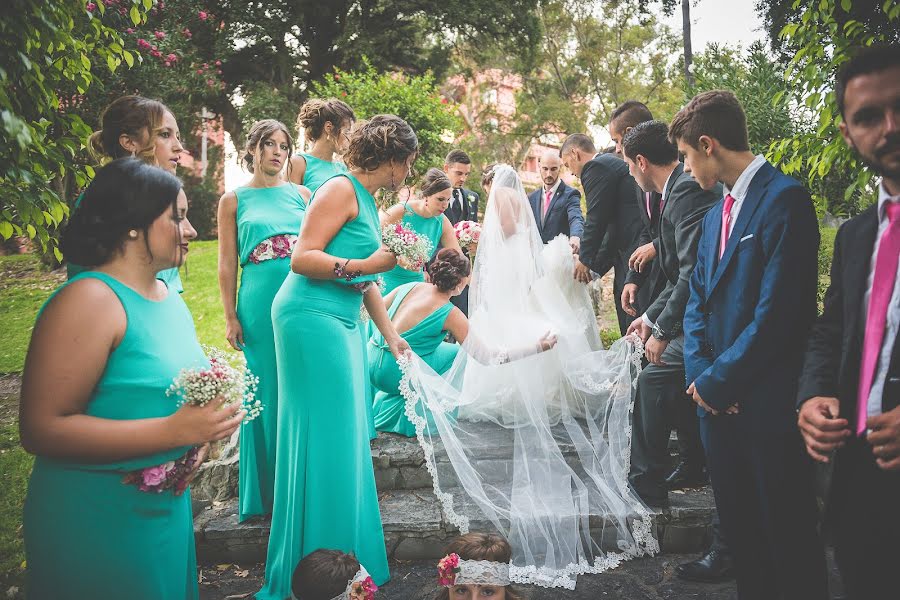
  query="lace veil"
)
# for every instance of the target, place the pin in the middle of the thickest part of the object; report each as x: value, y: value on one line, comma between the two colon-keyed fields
x: 534, y: 445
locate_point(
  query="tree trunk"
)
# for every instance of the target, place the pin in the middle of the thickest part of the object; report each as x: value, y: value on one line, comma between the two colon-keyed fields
x: 686, y: 34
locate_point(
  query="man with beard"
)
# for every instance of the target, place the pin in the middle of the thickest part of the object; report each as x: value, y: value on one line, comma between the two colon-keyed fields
x: 556, y: 206
x: 850, y: 386
x: 463, y: 205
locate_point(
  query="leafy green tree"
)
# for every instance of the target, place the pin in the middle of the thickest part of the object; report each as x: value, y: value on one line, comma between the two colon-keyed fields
x: 414, y: 98
x: 49, y: 56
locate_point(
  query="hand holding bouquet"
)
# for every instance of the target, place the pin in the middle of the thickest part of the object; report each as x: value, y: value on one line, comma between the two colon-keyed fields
x: 468, y: 233
x: 412, y: 250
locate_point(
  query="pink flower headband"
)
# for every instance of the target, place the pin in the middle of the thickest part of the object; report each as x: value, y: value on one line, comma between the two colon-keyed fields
x: 452, y: 570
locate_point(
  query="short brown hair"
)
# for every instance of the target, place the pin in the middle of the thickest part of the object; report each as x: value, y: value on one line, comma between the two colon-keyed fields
x: 259, y: 133
x: 481, y: 546
x: 577, y: 140
x: 381, y: 139
x: 717, y: 114
x: 458, y: 156
x: 629, y: 114
x: 316, y: 112
x: 323, y: 575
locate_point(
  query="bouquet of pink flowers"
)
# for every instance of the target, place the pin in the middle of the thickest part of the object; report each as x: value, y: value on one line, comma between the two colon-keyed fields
x: 169, y: 475
x: 412, y: 250
x: 467, y: 232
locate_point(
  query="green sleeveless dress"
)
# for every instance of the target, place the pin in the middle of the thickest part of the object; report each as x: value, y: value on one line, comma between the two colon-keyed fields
x: 325, y: 494
x: 426, y: 339
x: 430, y: 227
x: 319, y: 171
x: 88, y: 535
x: 170, y: 276
x: 262, y: 214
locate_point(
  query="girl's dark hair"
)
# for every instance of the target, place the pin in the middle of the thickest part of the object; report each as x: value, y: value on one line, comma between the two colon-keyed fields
x: 381, y: 139
x: 433, y: 181
x: 126, y: 115
x: 316, y: 112
x: 259, y: 133
x: 481, y: 546
x: 450, y: 266
x: 323, y: 575
x: 126, y: 194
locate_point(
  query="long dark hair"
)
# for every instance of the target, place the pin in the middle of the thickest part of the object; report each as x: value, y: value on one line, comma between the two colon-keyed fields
x: 126, y: 194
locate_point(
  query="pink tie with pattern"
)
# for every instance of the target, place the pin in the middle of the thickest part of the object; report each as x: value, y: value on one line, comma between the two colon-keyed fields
x: 547, y: 195
x: 726, y: 221
x: 876, y: 317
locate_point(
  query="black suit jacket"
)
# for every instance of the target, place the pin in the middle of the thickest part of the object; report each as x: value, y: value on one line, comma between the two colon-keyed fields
x: 613, y: 224
x: 564, y: 215
x: 680, y: 226
x: 469, y: 211
x: 834, y: 350
x: 650, y: 281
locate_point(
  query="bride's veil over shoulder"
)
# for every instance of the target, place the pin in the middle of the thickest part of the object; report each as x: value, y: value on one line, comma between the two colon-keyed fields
x: 535, y: 445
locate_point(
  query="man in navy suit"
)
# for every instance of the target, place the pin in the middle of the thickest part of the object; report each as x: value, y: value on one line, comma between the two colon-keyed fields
x: 850, y: 388
x: 556, y: 206
x: 463, y: 205
x: 751, y: 306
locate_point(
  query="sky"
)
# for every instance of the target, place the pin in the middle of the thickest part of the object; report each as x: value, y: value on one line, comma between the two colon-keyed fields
x: 731, y: 22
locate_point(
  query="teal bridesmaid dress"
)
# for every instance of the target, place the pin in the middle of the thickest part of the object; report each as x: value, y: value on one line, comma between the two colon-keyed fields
x: 87, y: 534
x: 430, y: 227
x: 262, y: 214
x: 319, y: 171
x: 325, y: 494
x: 170, y: 276
x: 425, y: 338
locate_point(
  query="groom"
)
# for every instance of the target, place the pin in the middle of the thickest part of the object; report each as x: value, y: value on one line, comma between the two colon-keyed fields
x: 463, y: 205
x: 752, y: 303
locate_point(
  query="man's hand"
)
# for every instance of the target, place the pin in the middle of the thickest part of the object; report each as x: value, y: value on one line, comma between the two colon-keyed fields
x: 822, y: 430
x: 641, y: 256
x: 695, y: 396
x: 582, y: 272
x: 629, y: 297
x: 641, y: 329
x: 575, y: 244
x: 653, y: 350
x: 885, y: 439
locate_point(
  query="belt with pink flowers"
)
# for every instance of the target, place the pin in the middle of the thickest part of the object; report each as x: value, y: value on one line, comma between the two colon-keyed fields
x: 277, y: 246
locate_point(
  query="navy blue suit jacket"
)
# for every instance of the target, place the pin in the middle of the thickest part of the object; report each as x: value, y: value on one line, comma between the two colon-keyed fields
x: 749, y: 315
x: 564, y: 215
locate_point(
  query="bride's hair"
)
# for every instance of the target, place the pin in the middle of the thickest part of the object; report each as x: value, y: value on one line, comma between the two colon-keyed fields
x: 481, y: 546
x: 449, y: 268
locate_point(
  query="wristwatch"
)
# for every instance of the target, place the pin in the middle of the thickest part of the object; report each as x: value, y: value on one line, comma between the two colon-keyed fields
x: 658, y: 333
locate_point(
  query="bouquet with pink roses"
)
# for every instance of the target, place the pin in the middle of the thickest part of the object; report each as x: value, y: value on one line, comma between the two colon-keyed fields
x: 467, y: 232
x: 412, y: 250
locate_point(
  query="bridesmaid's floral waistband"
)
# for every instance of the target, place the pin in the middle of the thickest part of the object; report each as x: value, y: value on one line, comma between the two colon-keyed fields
x: 277, y: 246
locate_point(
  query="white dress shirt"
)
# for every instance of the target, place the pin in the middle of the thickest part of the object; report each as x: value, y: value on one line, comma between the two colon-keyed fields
x: 893, y: 315
x: 741, y: 186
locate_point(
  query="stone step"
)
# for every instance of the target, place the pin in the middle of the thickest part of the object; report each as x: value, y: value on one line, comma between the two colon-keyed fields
x: 414, y: 527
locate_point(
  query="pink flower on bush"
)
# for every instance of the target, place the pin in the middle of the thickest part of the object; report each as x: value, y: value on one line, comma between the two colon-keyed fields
x: 168, y: 64
x: 172, y: 57
x: 202, y: 15
x: 130, y: 30
x: 155, y: 53
x: 218, y: 63
x: 143, y: 44
x: 159, y: 35
x: 199, y: 71
x: 187, y: 33
x: 90, y: 6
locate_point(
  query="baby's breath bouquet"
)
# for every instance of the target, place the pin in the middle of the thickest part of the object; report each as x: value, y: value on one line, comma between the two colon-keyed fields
x: 412, y: 250
x: 227, y: 377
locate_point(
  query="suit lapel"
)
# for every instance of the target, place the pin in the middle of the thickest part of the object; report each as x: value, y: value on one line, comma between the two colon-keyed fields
x: 757, y: 189
x: 859, y: 260
x: 670, y: 184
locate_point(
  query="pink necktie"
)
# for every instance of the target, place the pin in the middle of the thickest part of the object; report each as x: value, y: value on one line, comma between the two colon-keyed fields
x: 876, y: 317
x: 547, y: 195
x: 726, y: 220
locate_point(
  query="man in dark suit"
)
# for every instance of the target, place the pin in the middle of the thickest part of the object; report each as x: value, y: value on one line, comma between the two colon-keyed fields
x: 850, y: 387
x: 556, y: 206
x: 463, y: 205
x: 752, y: 303
x: 660, y: 404
x: 613, y: 223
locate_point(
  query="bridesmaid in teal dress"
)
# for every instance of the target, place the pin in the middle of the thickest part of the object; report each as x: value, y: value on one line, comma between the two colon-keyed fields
x: 423, y: 313
x: 141, y: 127
x: 94, y: 407
x: 423, y: 214
x: 325, y: 494
x: 258, y: 227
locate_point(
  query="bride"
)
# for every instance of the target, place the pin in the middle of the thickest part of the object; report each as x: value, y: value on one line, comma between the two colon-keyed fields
x: 535, y: 445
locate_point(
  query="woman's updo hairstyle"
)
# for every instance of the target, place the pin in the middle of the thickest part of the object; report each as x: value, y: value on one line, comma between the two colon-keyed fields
x: 259, y: 133
x: 449, y: 268
x: 316, y: 112
x: 126, y: 194
x: 481, y: 546
x: 128, y: 115
x: 433, y: 181
x: 487, y: 176
x: 381, y: 139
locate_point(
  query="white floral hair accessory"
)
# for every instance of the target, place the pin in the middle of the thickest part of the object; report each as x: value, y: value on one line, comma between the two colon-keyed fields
x: 361, y: 587
x: 452, y: 570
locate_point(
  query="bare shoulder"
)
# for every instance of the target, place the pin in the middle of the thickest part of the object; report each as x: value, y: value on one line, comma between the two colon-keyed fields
x: 228, y: 201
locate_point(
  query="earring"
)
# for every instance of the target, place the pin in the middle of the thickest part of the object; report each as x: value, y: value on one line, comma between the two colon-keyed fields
x: 132, y: 234
x: 392, y: 178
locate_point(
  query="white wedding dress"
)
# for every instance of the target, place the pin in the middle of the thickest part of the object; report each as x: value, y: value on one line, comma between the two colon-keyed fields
x: 535, y: 445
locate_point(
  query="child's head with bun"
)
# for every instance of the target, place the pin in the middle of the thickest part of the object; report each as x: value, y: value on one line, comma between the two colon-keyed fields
x: 450, y: 271
x: 480, y: 546
x: 325, y: 574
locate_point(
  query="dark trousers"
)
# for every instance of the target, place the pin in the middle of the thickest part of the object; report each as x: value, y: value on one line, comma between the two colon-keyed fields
x: 660, y: 406
x: 763, y: 484
x: 864, y: 519
x: 619, y: 273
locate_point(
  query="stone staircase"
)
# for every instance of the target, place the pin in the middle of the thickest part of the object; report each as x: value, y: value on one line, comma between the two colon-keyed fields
x: 414, y: 524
